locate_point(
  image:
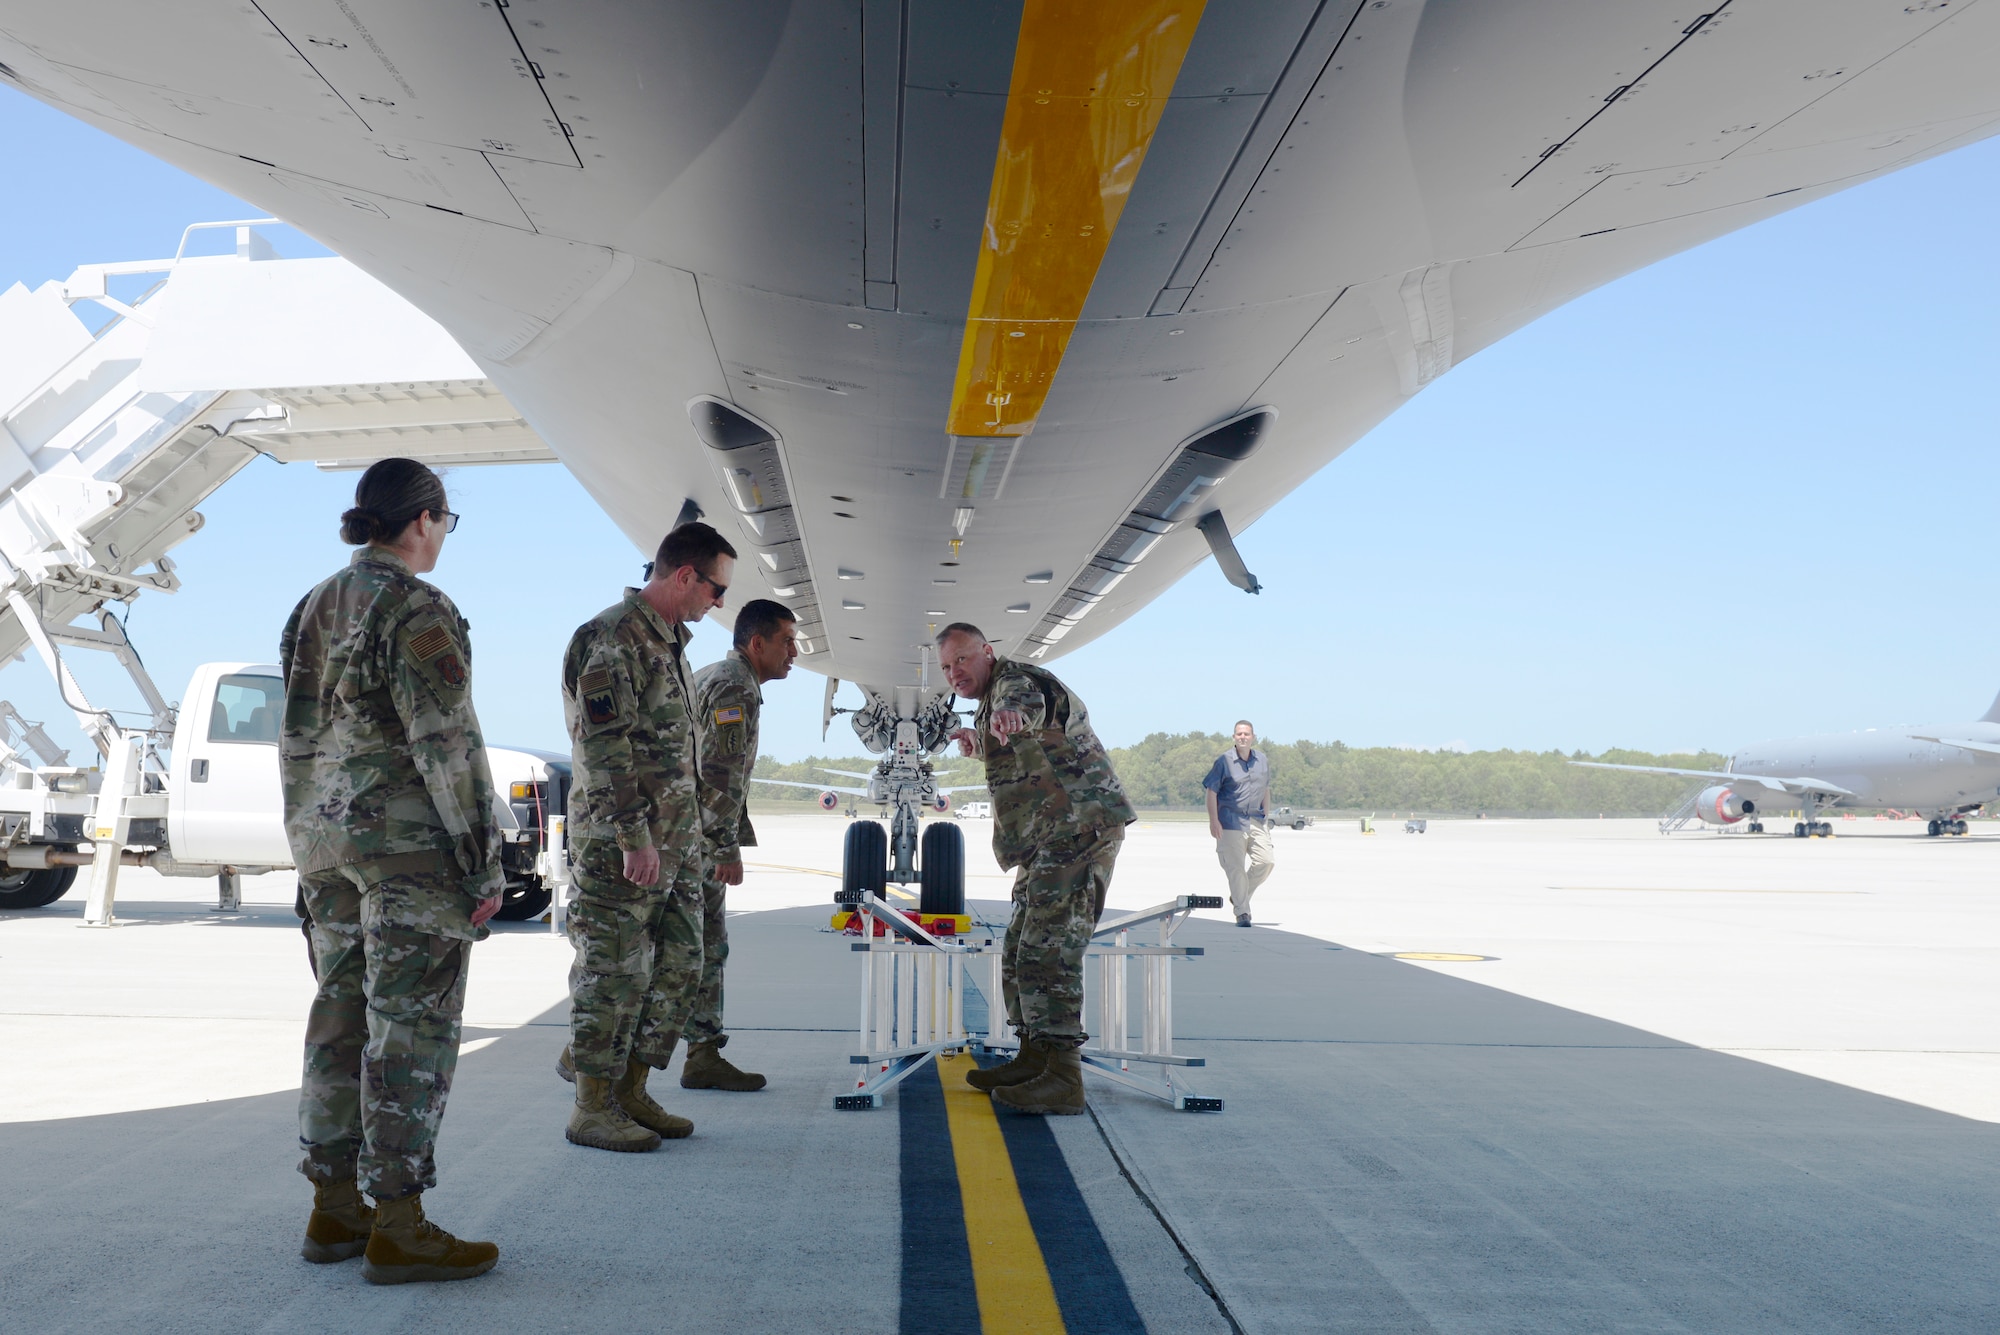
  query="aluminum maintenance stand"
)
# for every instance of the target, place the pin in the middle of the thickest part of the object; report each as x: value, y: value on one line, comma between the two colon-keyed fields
x: 913, y: 1001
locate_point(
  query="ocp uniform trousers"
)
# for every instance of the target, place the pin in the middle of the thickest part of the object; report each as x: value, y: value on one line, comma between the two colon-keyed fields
x: 383, y: 1032
x: 1250, y: 845
x: 705, y: 1022
x: 1058, y: 898
x: 638, y: 961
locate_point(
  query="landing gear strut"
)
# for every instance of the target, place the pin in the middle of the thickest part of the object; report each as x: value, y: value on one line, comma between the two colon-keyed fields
x: 906, y: 725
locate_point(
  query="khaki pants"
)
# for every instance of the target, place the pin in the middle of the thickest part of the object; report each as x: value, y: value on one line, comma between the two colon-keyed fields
x: 1252, y: 844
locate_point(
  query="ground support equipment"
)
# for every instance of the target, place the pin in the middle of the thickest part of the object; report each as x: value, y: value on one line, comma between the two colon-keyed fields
x: 912, y: 997
x: 913, y: 1001
x: 1107, y: 998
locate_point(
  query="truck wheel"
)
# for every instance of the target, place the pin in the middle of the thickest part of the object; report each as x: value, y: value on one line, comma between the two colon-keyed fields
x: 1298, y: 825
x: 941, y: 873
x: 35, y: 889
x: 864, y: 860
x: 522, y: 900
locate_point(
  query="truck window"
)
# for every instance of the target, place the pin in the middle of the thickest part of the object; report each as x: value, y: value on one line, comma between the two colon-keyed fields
x: 247, y: 709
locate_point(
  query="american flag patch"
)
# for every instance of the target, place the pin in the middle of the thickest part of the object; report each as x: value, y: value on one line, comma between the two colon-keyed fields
x: 734, y: 715
x: 430, y: 642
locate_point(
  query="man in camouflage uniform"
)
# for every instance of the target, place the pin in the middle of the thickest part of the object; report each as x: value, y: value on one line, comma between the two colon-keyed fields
x: 728, y: 701
x: 1059, y: 816
x: 389, y: 811
x: 636, y: 840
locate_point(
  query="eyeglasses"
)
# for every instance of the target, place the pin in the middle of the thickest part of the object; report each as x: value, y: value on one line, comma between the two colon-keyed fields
x: 450, y: 520
x: 721, y: 590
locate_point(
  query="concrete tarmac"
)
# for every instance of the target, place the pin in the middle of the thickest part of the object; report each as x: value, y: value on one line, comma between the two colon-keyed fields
x: 1706, y: 1083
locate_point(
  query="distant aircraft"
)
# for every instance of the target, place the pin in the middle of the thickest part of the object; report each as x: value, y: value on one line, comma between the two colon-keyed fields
x: 1945, y: 771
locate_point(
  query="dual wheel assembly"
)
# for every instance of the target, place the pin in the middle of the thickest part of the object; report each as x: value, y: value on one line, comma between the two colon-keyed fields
x: 1813, y: 829
x: 864, y: 865
x: 1947, y: 827
x: 34, y: 889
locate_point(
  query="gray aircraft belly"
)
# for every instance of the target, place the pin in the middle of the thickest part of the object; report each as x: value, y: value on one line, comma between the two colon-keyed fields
x: 1889, y: 768
x: 618, y: 208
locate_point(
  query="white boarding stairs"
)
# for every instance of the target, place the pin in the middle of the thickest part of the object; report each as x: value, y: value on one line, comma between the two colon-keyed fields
x: 109, y: 441
x: 1683, y: 815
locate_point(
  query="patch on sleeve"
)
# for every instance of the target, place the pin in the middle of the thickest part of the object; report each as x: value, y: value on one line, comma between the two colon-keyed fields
x: 732, y: 715
x: 434, y: 652
x: 594, y: 694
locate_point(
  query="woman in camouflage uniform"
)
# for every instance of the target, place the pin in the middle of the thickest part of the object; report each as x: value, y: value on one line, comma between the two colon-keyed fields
x: 389, y: 811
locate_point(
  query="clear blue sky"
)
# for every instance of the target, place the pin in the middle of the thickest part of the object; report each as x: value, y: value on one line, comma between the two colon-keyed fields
x: 1734, y: 496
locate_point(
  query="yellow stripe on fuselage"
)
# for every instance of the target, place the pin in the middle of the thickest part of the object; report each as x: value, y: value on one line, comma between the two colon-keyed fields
x: 1008, y: 1273
x: 1091, y: 79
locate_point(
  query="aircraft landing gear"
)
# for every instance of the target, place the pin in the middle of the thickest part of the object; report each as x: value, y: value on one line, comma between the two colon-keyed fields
x: 1947, y: 827
x: 1755, y: 827
x: 1813, y: 829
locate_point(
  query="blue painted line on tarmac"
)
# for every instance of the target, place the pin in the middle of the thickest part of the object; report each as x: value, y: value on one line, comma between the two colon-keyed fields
x: 938, y: 1297
x: 1088, y: 1285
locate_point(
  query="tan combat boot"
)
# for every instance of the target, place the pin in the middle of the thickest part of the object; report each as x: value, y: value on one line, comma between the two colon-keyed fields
x: 1022, y: 1067
x: 407, y: 1248
x: 598, y: 1121
x: 707, y: 1068
x: 339, y: 1225
x: 630, y: 1093
x: 566, y: 1065
x: 1058, y: 1089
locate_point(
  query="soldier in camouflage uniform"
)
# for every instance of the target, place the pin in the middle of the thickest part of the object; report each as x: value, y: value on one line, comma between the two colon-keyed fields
x: 1059, y: 816
x: 728, y: 701
x: 636, y: 841
x: 389, y: 812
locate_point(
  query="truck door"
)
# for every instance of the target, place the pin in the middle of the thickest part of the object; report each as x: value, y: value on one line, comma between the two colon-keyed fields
x: 227, y: 788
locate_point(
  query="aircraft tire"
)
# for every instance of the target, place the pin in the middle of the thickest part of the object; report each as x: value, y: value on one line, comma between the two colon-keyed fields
x: 941, y: 873
x: 864, y: 859
x: 524, y: 900
x: 1799, y: 830
x: 1932, y: 829
x: 1958, y: 827
x: 35, y: 889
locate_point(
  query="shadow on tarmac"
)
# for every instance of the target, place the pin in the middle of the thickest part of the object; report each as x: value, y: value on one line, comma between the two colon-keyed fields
x: 1402, y: 1151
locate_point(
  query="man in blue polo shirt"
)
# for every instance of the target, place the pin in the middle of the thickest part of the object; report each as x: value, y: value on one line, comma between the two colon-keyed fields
x: 1239, y: 817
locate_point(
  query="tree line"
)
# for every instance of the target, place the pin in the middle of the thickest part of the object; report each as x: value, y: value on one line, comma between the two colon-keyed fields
x: 1164, y: 772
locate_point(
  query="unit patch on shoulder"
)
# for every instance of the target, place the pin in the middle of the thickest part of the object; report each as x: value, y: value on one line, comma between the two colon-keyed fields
x: 435, y: 654
x: 731, y: 733
x: 594, y: 694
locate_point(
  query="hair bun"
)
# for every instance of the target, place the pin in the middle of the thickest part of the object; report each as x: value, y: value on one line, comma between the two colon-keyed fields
x: 360, y: 526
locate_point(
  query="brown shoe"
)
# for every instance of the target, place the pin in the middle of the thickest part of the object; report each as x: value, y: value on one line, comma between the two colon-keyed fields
x: 407, y: 1248
x: 707, y: 1068
x: 599, y: 1122
x: 1057, y: 1090
x: 339, y: 1225
x: 1024, y: 1066
x: 566, y: 1065
x: 630, y: 1094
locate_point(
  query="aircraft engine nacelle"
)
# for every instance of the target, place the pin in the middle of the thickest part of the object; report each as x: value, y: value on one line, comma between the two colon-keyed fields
x: 942, y: 802
x: 829, y: 801
x: 1721, y: 806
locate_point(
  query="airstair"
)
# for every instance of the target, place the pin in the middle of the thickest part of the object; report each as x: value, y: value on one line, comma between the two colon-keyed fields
x: 109, y: 440
x: 1683, y: 815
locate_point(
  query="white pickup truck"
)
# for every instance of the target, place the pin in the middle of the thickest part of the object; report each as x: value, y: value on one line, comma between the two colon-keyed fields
x: 212, y: 806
